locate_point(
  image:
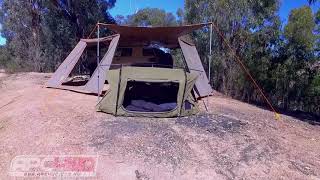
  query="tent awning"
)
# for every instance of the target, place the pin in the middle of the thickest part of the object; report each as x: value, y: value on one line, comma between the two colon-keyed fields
x: 168, y: 36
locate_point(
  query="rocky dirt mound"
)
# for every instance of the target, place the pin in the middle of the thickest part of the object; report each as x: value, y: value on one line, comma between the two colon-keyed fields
x: 233, y: 140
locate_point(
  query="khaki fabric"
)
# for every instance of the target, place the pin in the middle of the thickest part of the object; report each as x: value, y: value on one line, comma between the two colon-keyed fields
x: 93, y: 85
x: 66, y: 67
x: 134, y: 37
x: 194, y: 64
x: 139, y: 36
x: 96, y: 82
x: 112, y: 101
x: 108, y: 102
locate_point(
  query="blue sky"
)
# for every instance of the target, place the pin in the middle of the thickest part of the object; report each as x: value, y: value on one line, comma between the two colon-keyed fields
x: 287, y: 5
x: 126, y: 7
x: 2, y: 40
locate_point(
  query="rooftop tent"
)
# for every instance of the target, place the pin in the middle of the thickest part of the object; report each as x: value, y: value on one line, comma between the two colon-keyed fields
x: 135, y: 38
x: 149, y: 92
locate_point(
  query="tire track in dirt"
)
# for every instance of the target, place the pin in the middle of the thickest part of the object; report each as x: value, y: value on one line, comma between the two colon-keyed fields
x: 10, y: 102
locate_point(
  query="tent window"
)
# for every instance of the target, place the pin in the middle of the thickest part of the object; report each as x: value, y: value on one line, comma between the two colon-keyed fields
x: 150, y: 96
x: 148, y: 52
x: 123, y: 52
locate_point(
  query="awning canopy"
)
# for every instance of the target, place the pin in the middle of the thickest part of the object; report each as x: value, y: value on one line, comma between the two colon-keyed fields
x: 167, y: 36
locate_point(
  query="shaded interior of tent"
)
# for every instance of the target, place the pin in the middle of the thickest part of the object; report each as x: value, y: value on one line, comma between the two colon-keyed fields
x: 150, y: 96
x: 87, y: 66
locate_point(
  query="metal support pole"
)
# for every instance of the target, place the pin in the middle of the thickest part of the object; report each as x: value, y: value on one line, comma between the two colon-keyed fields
x: 209, y: 62
x: 98, y: 60
x: 210, y: 52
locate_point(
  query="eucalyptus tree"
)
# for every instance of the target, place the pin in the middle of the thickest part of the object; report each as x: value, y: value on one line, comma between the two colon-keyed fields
x: 151, y: 17
x: 21, y: 27
x: 250, y: 27
x: 40, y: 33
x: 297, y: 58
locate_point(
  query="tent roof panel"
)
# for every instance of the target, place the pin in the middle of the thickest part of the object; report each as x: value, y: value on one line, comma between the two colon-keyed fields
x: 168, y: 36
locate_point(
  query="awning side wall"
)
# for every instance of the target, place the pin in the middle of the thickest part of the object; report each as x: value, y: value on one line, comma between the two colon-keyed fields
x: 66, y: 67
x: 194, y: 64
x: 96, y: 83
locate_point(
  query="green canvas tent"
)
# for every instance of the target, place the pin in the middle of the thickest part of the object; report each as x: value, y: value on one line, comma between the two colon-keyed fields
x: 130, y: 64
x: 149, y: 92
x: 130, y: 46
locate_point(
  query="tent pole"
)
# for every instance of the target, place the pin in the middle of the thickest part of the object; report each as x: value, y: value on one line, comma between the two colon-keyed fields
x: 209, y: 62
x: 98, y: 59
x: 210, y: 52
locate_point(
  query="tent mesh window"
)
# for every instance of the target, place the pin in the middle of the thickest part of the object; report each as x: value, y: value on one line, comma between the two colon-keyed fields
x: 143, y: 96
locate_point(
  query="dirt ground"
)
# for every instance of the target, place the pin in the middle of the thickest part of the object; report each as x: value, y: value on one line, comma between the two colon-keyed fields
x: 234, y: 140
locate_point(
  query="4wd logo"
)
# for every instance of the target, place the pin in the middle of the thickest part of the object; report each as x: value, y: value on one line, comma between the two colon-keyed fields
x: 54, y: 166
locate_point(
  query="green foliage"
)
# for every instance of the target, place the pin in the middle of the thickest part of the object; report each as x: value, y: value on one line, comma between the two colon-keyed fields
x: 250, y: 28
x: 40, y: 33
x: 4, y: 57
x: 315, y: 86
x: 317, y: 31
x: 180, y: 16
x: 280, y: 61
x: 20, y: 22
x: 300, y: 27
x: 149, y: 17
x: 297, y: 56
